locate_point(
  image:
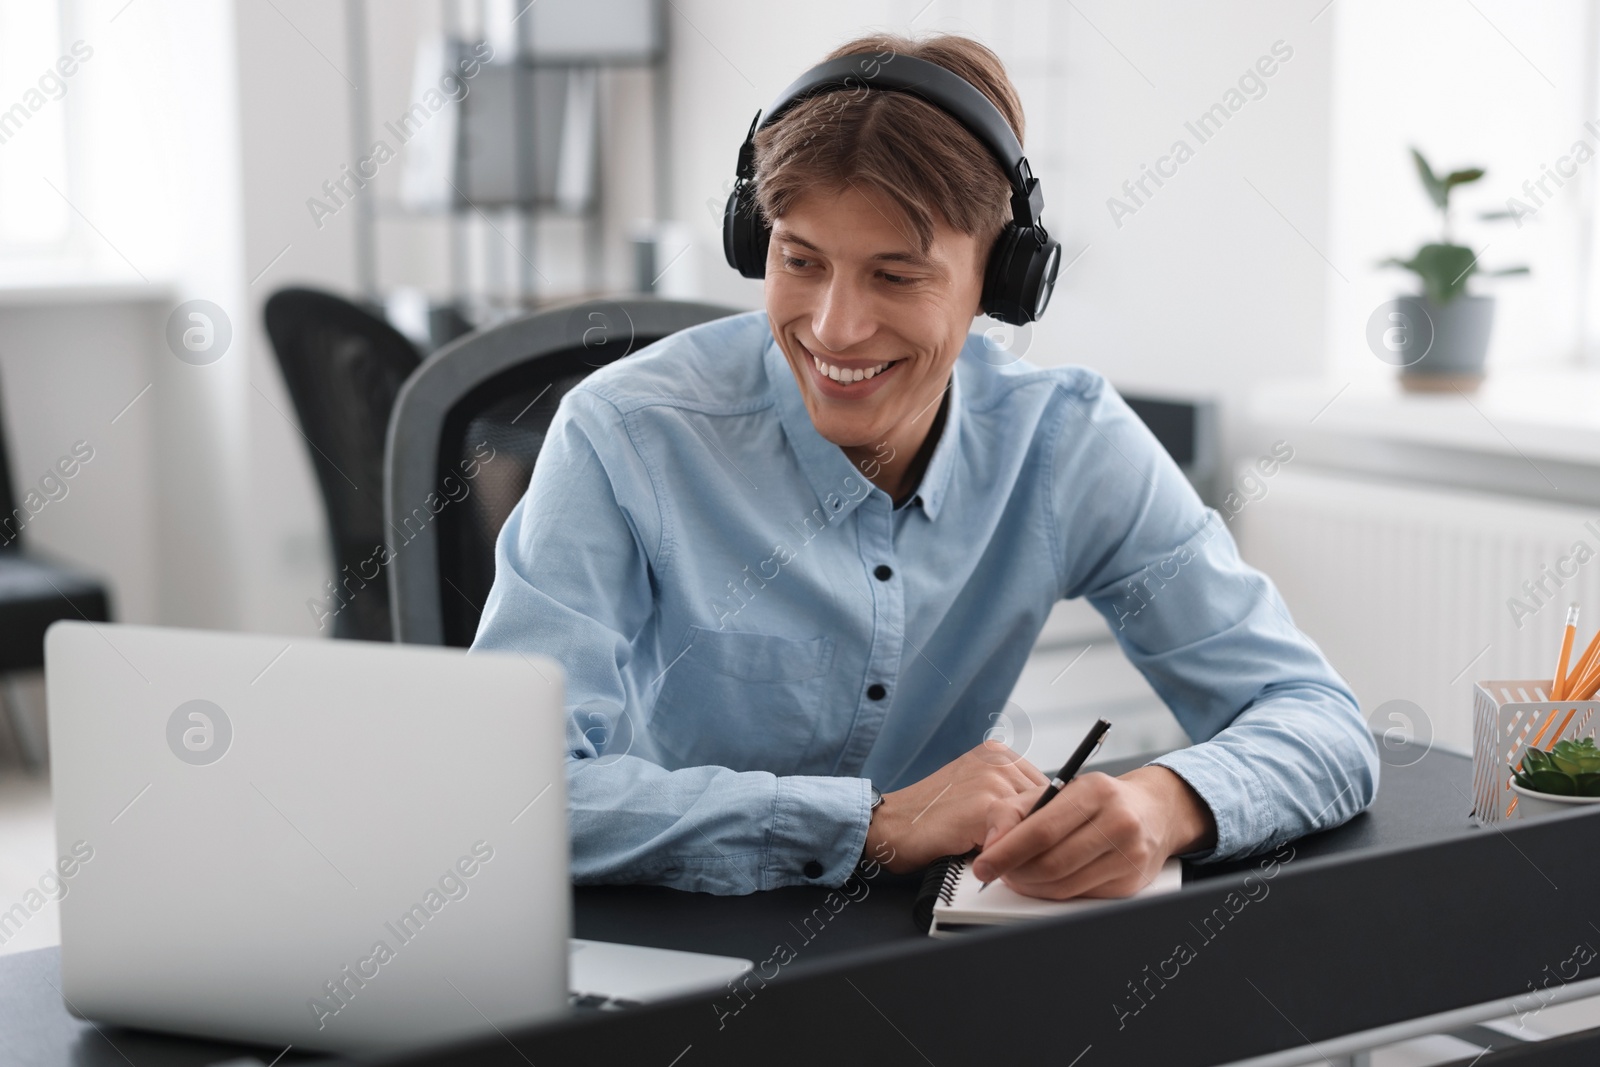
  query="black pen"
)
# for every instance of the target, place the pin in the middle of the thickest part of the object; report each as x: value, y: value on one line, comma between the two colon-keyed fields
x: 1068, y: 771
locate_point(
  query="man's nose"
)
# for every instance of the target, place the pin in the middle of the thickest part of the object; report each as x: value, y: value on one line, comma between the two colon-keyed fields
x: 844, y: 318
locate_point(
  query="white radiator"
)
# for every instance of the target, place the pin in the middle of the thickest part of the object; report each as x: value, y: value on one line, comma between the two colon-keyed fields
x: 1413, y: 593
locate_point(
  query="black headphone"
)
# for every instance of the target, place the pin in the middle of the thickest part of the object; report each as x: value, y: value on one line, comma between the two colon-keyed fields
x: 1023, y: 263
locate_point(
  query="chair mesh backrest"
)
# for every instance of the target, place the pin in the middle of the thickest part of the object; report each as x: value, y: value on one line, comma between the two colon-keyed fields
x: 510, y: 413
x: 344, y: 368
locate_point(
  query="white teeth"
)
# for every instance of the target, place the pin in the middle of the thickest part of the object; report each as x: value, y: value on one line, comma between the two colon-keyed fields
x: 847, y: 375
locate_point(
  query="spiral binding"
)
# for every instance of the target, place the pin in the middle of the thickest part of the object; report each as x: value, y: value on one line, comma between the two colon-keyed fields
x: 954, y: 865
x: 938, y: 884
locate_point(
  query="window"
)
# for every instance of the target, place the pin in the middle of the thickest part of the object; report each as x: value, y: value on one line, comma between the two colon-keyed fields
x: 34, y: 217
x: 1495, y: 83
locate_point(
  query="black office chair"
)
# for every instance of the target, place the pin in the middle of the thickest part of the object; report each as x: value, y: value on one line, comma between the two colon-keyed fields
x: 498, y: 389
x: 34, y: 592
x: 344, y: 368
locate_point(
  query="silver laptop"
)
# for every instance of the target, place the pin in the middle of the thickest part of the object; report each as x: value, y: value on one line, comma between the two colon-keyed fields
x: 341, y: 845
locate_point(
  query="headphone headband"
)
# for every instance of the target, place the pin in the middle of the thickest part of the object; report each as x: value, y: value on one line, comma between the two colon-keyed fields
x: 944, y: 89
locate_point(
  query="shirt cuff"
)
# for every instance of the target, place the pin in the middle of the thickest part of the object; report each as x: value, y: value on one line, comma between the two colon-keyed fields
x: 1234, y: 793
x: 819, y: 830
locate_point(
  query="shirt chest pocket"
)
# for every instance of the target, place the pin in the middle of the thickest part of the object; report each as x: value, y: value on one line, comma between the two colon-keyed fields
x: 742, y: 700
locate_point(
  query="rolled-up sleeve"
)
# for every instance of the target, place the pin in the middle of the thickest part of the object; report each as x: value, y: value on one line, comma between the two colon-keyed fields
x: 1281, y: 748
x: 573, y: 581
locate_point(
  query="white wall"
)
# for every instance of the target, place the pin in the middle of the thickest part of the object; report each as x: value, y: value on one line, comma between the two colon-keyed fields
x: 1207, y: 288
x: 293, y: 113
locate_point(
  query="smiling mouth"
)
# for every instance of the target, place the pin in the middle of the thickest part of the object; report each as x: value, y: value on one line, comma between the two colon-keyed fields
x: 849, y: 375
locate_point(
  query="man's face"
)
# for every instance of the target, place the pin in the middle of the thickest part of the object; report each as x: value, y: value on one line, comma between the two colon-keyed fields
x: 849, y: 295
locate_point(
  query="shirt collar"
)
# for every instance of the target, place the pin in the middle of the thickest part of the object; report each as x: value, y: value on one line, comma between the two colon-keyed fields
x: 941, y: 466
x: 826, y: 466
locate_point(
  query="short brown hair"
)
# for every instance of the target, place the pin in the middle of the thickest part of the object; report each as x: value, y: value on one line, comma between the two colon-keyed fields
x: 921, y: 158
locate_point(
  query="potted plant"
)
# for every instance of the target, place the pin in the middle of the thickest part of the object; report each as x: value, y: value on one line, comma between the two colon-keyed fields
x: 1557, y: 780
x: 1448, y: 328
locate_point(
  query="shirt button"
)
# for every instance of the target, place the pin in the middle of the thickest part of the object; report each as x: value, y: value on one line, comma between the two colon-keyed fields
x: 876, y: 692
x: 883, y: 573
x: 812, y: 869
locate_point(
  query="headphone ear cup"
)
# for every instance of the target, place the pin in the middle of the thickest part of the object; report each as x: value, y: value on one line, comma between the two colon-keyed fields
x: 1021, y: 274
x: 1000, y: 301
x: 745, y: 233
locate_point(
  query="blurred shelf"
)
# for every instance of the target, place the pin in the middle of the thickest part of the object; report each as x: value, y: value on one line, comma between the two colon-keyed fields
x: 30, y: 284
x: 1532, y: 432
x: 1554, y: 412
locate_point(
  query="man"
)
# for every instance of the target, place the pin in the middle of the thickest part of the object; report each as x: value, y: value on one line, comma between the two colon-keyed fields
x: 793, y: 561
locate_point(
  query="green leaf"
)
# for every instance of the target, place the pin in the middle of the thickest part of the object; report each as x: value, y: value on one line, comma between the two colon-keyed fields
x: 1444, y: 270
x: 1462, y: 177
x: 1536, y: 759
x: 1589, y: 785
x: 1575, y: 751
x: 1504, y: 271
x: 1437, y: 191
x: 1576, y: 757
x: 1553, y: 782
x: 1565, y: 765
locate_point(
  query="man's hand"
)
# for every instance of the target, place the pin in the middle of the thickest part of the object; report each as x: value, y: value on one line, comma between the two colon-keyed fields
x: 949, y: 812
x: 1100, y: 837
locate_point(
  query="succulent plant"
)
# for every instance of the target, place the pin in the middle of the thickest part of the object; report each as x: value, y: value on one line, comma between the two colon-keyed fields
x: 1570, y: 769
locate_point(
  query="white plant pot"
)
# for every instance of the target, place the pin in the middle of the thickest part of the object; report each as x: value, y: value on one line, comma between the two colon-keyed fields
x: 1531, y: 805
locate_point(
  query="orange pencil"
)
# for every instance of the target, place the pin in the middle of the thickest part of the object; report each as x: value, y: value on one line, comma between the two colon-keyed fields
x: 1538, y: 738
x: 1583, y: 688
x: 1584, y: 665
x: 1558, y: 689
x: 1557, y: 735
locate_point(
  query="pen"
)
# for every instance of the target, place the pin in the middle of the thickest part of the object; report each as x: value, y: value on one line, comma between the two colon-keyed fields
x: 1069, y: 770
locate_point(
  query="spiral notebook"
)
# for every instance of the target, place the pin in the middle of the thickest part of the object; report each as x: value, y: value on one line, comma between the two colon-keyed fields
x: 948, y: 902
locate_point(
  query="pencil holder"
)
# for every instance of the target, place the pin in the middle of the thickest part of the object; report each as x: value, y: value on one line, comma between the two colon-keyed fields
x: 1506, y: 718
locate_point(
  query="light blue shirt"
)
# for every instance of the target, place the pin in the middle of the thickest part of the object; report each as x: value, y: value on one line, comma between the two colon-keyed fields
x: 752, y: 632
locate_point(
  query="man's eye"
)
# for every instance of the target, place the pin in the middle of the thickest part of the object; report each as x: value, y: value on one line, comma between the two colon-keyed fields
x: 795, y: 264
x: 898, y: 279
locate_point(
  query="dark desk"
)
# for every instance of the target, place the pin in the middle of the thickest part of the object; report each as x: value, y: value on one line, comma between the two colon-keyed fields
x: 1418, y: 802
x: 1357, y: 932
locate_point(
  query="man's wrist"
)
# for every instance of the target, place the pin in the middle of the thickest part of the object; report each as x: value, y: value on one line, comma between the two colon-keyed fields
x: 1189, y: 825
x: 879, y: 846
x: 874, y: 802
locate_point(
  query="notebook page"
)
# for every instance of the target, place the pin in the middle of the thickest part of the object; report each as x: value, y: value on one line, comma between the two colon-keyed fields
x: 1001, y: 904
